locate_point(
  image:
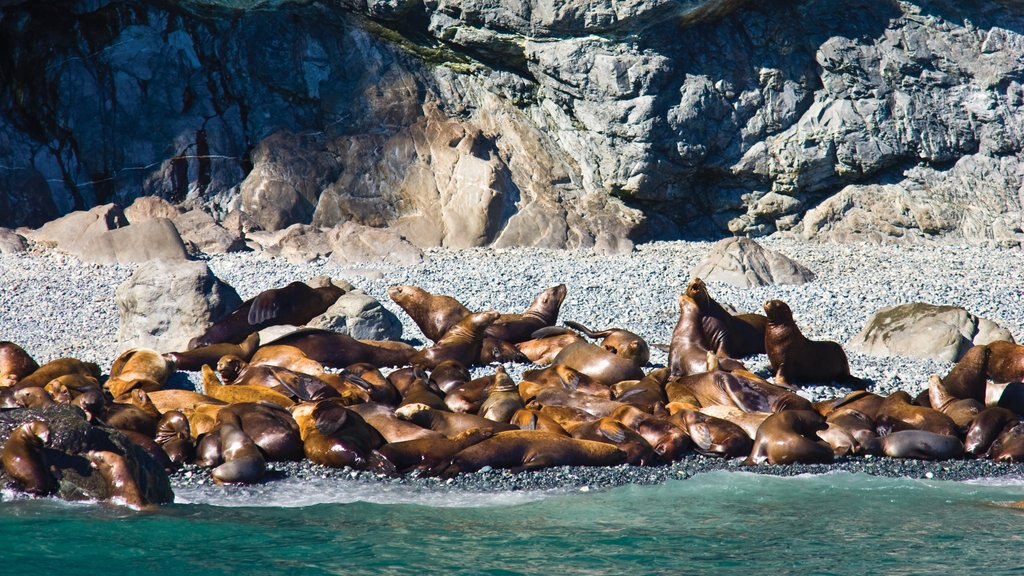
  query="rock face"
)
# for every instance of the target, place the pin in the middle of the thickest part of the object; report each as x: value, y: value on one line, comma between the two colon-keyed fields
x: 71, y: 436
x: 166, y: 303
x: 559, y: 124
x: 745, y: 263
x: 921, y: 330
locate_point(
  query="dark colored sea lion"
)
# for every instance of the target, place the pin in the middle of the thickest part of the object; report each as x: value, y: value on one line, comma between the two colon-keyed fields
x: 337, y: 350
x: 531, y: 450
x: 961, y: 410
x: 24, y: 461
x: 898, y: 412
x: 468, y: 397
x: 986, y: 427
x: 335, y: 436
x: 967, y: 377
x: 462, y: 342
x: 139, y: 415
x: 502, y: 398
x: 921, y: 445
x: 546, y: 343
x: 433, y: 313
x: 369, y: 377
x: 713, y: 436
x: 448, y: 375
x: 798, y: 360
x: 597, y: 363
x: 609, y: 430
x: 1009, y: 445
x: 192, y: 360
x: 618, y: 341
x: 174, y: 434
x: 647, y: 393
x: 451, y: 424
x: 121, y: 482
x: 269, y: 425
x: 15, y: 363
x: 424, y: 454
x: 527, y: 419
x: 243, y: 462
x: 391, y: 428
x: 541, y: 313
x: 790, y: 437
x: 295, y: 304
x: 668, y: 440
x: 1006, y: 362
x: 728, y: 335
x: 496, y: 350
x: 688, y: 351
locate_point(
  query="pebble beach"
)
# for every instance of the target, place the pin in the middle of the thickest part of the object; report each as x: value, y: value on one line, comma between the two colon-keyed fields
x: 54, y: 305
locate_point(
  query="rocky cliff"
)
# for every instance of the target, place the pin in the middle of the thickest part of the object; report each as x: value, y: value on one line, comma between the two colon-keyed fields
x: 504, y: 122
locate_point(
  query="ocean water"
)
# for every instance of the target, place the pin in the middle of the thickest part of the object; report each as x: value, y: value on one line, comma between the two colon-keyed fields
x: 714, y: 523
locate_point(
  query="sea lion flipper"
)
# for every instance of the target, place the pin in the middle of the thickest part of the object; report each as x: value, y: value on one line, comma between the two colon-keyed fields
x: 744, y: 393
x: 612, y: 430
x: 265, y: 306
x: 662, y: 347
x: 549, y: 331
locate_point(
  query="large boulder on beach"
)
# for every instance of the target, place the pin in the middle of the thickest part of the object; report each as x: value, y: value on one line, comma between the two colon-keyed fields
x: 922, y: 330
x: 360, y: 316
x: 148, y: 207
x: 353, y: 243
x: 298, y: 243
x: 70, y: 233
x: 71, y: 436
x: 203, y: 234
x: 156, y: 238
x: 745, y: 263
x: 166, y: 303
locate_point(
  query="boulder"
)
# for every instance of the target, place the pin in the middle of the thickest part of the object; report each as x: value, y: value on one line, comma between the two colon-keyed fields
x: 921, y: 330
x: 71, y: 436
x: 745, y: 263
x: 11, y: 242
x: 71, y: 232
x: 199, y: 230
x: 149, y: 207
x: 166, y: 303
x: 298, y: 243
x: 360, y: 316
x: 147, y: 240
x: 353, y: 243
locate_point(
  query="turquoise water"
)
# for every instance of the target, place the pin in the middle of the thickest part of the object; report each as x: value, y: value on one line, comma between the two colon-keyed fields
x: 719, y: 523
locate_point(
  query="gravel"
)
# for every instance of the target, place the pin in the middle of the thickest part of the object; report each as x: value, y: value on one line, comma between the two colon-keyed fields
x: 54, y: 305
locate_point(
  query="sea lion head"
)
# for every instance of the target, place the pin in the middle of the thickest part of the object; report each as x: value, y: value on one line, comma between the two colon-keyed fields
x: 404, y: 293
x: 697, y: 290
x: 778, y: 312
x: 229, y: 366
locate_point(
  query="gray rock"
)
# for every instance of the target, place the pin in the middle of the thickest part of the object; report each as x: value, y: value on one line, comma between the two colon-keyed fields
x: 745, y: 263
x: 166, y: 303
x: 71, y: 233
x: 200, y: 231
x: 921, y: 330
x: 147, y: 240
x: 360, y: 316
x: 298, y: 243
x: 149, y: 207
x: 352, y: 243
x: 11, y: 242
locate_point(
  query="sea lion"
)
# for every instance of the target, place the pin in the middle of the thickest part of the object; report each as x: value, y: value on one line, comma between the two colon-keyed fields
x: 15, y: 363
x: 638, y: 451
x: 496, y: 350
x: 33, y: 397
x: 862, y: 401
x: 57, y: 368
x: 468, y: 397
x: 448, y: 375
x: 297, y: 386
x: 647, y: 393
x: 748, y: 421
x: 520, y: 450
x: 668, y: 440
x: 920, y: 445
x: 967, y: 377
x: 24, y: 461
x: 284, y: 356
x: 1005, y: 362
x: 93, y: 403
x: 961, y: 411
x: 527, y: 419
x: 1009, y: 445
x: 151, y: 447
x: 561, y: 376
x: 235, y: 393
x: 174, y: 435
x: 594, y: 405
x: 77, y: 383
x: 598, y: 363
x: 243, y: 463
x: 143, y: 368
x: 502, y: 398
x: 898, y: 412
x: 193, y: 360
x: 337, y: 350
x: 121, y: 482
x: 858, y: 426
x: 295, y: 304
x: 183, y: 400
x: 727, y: 335
x: 391, y: 428
x: 790, y: 437
x: 798, y: 360
x: 419, y: 393
x: 618, y: 341
x: 451, y: 424
x: 462, y: 342
x: 424, y: 454
x: 369, y: 377
x: 742, y: 389
x: 688, y: 351
x: 986, y: 427
x: 542, y: 312
x: 434, y: 314
x: 335, y: 436
x: 546, y: 343
x: 269, y: 425
x: 132, y: 417
x: 58, y: 392
x: 713, y: 436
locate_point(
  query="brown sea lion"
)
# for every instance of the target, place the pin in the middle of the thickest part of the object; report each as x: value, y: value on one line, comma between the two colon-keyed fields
x: 337, y: 350
x: 174, y: 435
x: 920, y: 445
x: 93, y: 403
x: 541, y: 313
x: 24, y: 461
x: 798, y: 360
x: 618, y: 341
x: 594, y: 405
x: 546, y: 343
x: 1009, y: 445
x: 235, y: 393
x: 33, y: 397
x: 143, y: 368
x: 122, y: 485
x: 713, y: 436
x: 433, y: 313
x: 857, y: 425
x: 58, y: 392
x: 183, y: 400
x: 898, y: 412
x: 295, y: 304
x: 334, y: 436
x: 449, y: 423
x: 961, y: 411
x: 986, y: 427
x: 392, y: 428
x: 370, y: 378
x: 564, y: 376
x: 494, y: 350
x: 203, y: 419
x: 647, y: 393
x: 680, y: 394
x: 269, y: 425
x: 193, y: 360
x: 790, y: 437
x: 867, y: 403
x: 727, y: 335
x: 57, y: 368
x: 668, y: 440
x: 967, y: 377
x: 424, y: 454
x: 502, y: 398
x: 1005, y: 362
x: 448, y: 375
x: 748, y: 421
x: 531, y: 450
x: 77, y: 383
x: 462, y: 342
x: 688, y: 351
x: 598, y: 363
x: 132, y: 417
x: 243, y: 462
x: 469, y: 396
x: 15, y: 363
x: 297, y: 386
x: 284, y: 356
x: 527, y: 419
x: 567, y: 416
x: 151, y: 447
x: 743, y: 390
x: 419, y: 393
x: 638, y: 451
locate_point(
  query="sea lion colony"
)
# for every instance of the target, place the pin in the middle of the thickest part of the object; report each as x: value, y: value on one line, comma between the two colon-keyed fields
x: 592, y: 405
